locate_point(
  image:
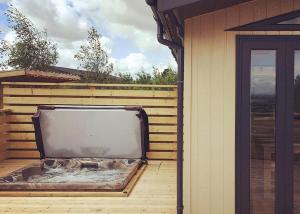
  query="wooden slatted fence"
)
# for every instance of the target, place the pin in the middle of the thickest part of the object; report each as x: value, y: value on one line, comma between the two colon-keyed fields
x: 4, y: 134
x: 160, y: 102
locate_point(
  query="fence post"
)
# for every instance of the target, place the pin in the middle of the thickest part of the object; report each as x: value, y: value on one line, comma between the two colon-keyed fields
x: 4, y: 134
x: 1, y: 96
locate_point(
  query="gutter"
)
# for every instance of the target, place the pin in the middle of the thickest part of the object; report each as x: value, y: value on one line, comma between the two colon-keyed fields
x: 160, y: 29
x: 178, y: 53
x: 166, y: 42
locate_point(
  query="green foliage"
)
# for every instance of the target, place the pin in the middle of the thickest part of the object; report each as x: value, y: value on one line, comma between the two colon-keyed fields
x: 125, y: 78
x: 166, y: 77
x: 2, y: 47
x: 143, y: 78
x: 31, y: 48
x: 93, y: 57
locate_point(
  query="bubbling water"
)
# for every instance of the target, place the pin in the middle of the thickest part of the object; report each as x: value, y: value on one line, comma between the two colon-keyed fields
x: 63, y: 175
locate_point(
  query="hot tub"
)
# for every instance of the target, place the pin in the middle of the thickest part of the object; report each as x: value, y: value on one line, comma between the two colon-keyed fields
x: 84, y: 148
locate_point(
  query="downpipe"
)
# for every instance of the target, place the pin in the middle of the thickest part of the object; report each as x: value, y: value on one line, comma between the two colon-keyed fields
x: 179, y: 56
x: 180, y: 88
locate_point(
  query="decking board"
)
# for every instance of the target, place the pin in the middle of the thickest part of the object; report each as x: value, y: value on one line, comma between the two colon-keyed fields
x: 155, y: 192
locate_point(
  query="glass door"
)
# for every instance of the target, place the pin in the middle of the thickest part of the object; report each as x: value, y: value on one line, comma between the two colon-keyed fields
x: 296, y: 132
x: 293, y: 64
x: 268, y: 125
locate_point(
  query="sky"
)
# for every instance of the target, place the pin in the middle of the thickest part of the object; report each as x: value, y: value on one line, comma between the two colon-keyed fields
x: 127, y: 27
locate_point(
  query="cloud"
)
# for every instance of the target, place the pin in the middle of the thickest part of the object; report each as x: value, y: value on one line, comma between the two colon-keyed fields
x: 66, y: 53
x: 136, y: 62
x: 58, y: 17
x: 125, y: 12
x: 10, y: 36
x: 133, y: 63
x: 129, y: 21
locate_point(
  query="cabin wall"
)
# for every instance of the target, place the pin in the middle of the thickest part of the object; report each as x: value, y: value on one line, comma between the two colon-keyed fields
x: 209, y: 104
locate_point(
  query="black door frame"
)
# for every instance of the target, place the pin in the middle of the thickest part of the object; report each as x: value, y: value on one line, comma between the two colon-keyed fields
x: 285, y: 46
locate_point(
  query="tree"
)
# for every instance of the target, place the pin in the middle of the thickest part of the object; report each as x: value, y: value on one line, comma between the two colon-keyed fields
x: 93, y: 57
x: 31, y: 48
x: 2, y: 47
x: 143, y: 77
x: 125, y: 78
x: 167, y: 77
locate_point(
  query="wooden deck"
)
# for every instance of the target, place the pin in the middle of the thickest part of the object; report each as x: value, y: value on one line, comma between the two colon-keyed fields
x: 154, y: 193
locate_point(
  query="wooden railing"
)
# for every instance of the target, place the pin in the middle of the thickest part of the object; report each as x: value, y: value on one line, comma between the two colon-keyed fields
x: 4, y: 135
x: 160, y: 102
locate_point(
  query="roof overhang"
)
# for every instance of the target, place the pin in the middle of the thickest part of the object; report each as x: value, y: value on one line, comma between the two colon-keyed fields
x: 190, y: 8
x: 170, y: 16
x: 165, y: 5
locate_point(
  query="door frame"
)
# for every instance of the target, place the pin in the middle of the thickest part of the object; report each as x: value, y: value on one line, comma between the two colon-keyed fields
x: 283, y: 124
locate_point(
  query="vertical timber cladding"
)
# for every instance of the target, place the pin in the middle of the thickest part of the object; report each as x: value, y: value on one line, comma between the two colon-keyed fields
x: 160, y: 103
x: 209, y: 104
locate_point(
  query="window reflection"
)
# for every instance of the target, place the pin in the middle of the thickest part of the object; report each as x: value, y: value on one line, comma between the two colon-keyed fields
x: 262, y: 162
x: 297, y: 133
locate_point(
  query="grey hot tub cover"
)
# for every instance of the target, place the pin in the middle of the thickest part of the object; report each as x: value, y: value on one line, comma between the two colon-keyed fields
x: 54, y: 125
